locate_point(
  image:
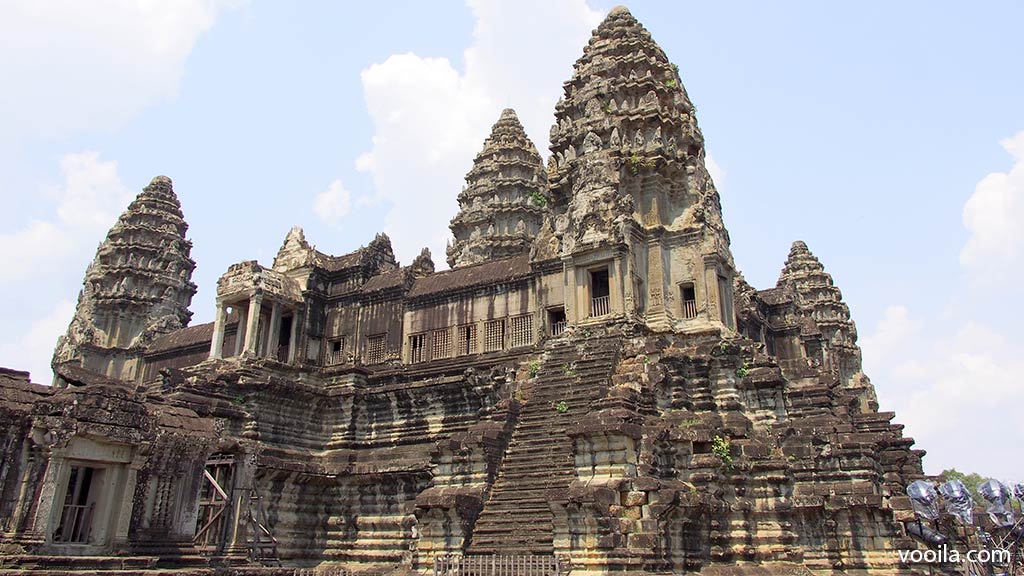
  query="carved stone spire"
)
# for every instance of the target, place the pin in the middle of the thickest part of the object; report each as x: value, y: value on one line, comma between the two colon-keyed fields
x: 625, y: 144
x: 819, y: 299
x: 504, y: 202
x: 137, y: 287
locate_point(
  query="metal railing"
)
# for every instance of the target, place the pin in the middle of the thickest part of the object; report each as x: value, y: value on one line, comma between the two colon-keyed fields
x: 558, y: 327
x: 74, y: 523
x: 689, y: 309
x: 496, y: 565
x: 334, y: 357
x: 599, y: 306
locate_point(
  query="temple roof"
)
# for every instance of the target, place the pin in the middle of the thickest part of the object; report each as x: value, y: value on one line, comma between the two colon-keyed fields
x: 191, y: 336
x: 817, y: 296
x: 140, y: 277
x: 487, y: 273
x: 505, y: 198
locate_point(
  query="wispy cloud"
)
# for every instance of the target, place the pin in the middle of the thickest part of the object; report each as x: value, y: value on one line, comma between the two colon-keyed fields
x: 954, y: 378
x: 430, y: 119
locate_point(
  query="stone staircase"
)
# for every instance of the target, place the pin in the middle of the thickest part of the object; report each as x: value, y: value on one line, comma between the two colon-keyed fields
x: 539, y: 464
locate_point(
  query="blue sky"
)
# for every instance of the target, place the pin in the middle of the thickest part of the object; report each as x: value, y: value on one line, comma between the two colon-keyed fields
x: 888, y: 136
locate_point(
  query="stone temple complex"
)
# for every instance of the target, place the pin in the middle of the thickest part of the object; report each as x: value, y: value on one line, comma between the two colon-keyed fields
x: 592, y: 387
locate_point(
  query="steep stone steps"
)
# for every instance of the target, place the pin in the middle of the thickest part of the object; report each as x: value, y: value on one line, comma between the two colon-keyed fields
x: 539, y: 459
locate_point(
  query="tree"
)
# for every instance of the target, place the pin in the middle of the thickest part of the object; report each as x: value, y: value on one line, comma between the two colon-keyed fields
x: 970, y: 480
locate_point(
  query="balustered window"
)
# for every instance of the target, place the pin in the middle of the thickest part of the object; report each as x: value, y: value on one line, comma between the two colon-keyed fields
x: 441, y: 344
x: 494, y: 335
x: 688, y: 297
x: 521, y: 330
x: 376, y: 348
x: 417, y: 348
x: 466, y: 339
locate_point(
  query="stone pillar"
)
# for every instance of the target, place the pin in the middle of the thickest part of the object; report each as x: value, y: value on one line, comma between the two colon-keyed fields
x: 252, y: 326
x: 217, y: 344
x: 293, y: 342
x: 711, y: 294
x: 237, y: 543
x: 48, y: 510
x: 572, y: 314
x: 274, y: 336
x: 657, y: 314
x: 123, y: 506
x: 240, y: 329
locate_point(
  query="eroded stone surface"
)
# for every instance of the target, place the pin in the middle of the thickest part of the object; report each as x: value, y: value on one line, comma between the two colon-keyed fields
x: 503, y: 205
x: 612, y: 392
x: 137, y: 288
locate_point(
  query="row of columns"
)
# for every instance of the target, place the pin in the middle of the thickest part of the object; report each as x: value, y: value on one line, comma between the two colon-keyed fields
x: 250, y: 345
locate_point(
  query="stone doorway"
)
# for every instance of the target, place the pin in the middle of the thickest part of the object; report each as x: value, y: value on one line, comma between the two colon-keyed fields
x: 79, y: 506
x: 215, y: 504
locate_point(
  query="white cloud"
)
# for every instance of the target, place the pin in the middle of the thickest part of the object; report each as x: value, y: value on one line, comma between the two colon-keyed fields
x: 69, y: 65
x: 993, y: 215
x: 333, y: 204
x: 956, y: 390
x: 717, y: 172
x: 894, y: 331
x: 32, y: 350
x: 430, y: 120
x: 86, y: 203
x: 953, y: 377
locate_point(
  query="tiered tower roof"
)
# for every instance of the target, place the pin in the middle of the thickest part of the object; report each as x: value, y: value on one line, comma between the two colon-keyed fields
x: 817, y: 297
x: 139, y: 284
x: 626, y: 138
x: 505, y: 198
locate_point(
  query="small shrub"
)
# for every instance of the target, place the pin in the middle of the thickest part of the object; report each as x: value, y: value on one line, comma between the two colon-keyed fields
x: 534, y: 368
x: 671, y: 83
x: 637, y: 163
x: 689, y: 422
x: 538, y: 199
x: 742, y: 371
x: 568, y: 370
x: 720, y: 447
x: 561, y: 407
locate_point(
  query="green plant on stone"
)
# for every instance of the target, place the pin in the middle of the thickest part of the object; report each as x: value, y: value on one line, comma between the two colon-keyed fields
x: 568, y: 371
x: 534, y: 368
x: 671, y: 83
x: 689, y: 422
x: 561, y: 407
x: 742, y: 371
x: 637, y: 163
x: 538, y: 199
x: 721, y: 447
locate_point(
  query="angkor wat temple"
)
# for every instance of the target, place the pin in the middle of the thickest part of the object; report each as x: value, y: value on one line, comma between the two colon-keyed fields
x: 592, y: 381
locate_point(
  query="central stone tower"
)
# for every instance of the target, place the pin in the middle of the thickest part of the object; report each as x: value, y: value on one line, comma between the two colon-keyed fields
x: 637, y: 220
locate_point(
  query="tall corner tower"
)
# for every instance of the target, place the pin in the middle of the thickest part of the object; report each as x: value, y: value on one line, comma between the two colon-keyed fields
x: 817, y: 297
x: 138, y: 286
x: 505, y: 199
x: 629, y: 186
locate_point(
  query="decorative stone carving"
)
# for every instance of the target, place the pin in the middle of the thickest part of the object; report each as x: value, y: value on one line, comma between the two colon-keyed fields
x: 506, y: 185
x: 131, y: 292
